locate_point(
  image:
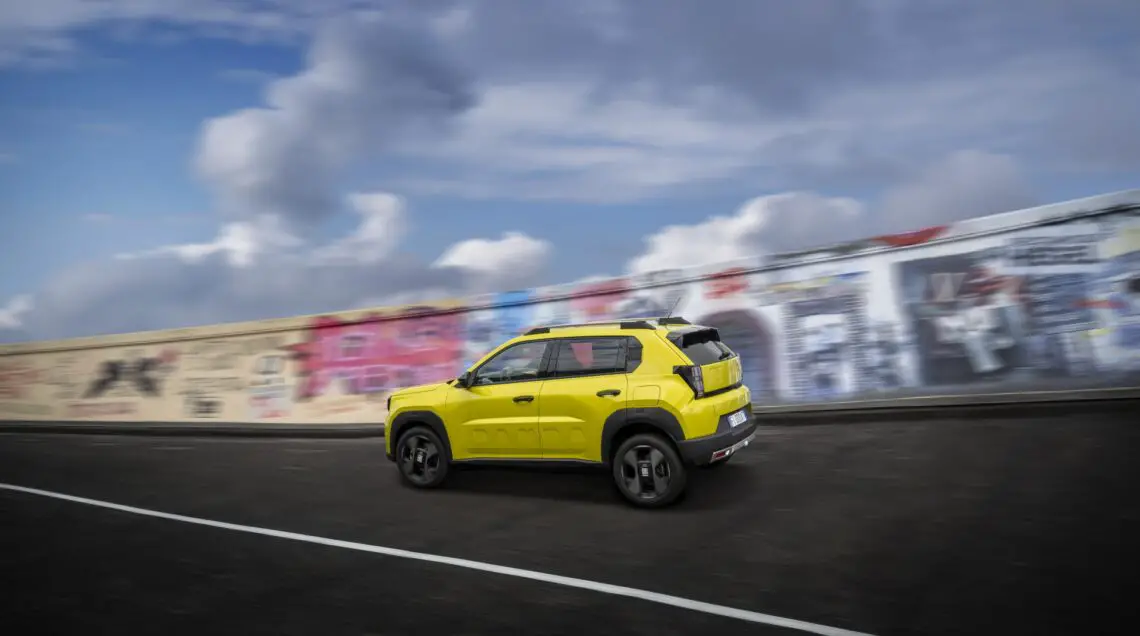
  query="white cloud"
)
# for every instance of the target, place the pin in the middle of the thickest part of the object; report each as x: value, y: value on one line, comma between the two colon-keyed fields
x: 12, y: 314
x: 381, y: 228
x: 962, y: 185
x: 757, y: 227
x: 366, y: 80
x: 506, y: 262
x: 238, y: 243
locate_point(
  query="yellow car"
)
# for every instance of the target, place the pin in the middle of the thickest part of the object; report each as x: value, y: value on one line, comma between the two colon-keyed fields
x: 646, y: 398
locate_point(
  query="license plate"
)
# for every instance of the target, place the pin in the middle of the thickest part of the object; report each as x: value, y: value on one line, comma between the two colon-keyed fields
x: 737, y: 418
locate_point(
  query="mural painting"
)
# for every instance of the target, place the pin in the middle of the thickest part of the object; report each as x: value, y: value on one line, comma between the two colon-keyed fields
x: 1115, y: 298
x: 826, y: 334
x: 19, y: 380
x: 121, y: 381
x: 355, y: 364
x: 270, y: 394
x: 209, y: 373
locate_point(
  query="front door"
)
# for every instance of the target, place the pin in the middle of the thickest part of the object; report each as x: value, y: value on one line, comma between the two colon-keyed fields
x: 587, y: 383
x: 497, y: 416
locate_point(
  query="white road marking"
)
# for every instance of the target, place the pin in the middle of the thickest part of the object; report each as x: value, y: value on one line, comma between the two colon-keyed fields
x: 594, y: 586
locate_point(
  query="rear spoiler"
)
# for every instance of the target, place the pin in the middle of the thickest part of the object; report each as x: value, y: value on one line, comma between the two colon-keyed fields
x: 694, y: 335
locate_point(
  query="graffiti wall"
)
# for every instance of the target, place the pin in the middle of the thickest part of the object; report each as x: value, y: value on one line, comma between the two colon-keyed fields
x: 1042, y: 297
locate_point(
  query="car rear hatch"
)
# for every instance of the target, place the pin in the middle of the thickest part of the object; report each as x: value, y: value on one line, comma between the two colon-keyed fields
x: 715, y: 369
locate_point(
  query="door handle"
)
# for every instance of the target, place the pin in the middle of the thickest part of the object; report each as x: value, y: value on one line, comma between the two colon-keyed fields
x: 524, y: 398
x: 605, y: 392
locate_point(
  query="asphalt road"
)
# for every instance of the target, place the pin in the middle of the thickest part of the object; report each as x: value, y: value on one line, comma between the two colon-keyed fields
x: 948, y: 527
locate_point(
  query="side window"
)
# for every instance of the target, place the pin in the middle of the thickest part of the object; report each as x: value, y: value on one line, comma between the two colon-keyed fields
x: 588, y: 356
x: 518, y: 363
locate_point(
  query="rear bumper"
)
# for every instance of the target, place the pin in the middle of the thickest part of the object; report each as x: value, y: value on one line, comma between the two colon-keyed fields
x: 718, y: 446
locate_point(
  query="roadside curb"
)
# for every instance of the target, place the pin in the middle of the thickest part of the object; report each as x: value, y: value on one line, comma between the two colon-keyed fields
x: 1012, y: 404
x: 329, y: 431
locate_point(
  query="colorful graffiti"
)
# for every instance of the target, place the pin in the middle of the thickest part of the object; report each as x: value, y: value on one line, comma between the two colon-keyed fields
x: 377, y: 353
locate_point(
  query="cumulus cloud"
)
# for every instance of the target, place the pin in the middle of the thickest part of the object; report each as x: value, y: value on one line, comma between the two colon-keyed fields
x: 760, y: 225
x: 962, y: 185
x: 254, y: 270
x: 506, y: 262
x: 170, y: 289
x: 367, y: 80
x: 12, y: 314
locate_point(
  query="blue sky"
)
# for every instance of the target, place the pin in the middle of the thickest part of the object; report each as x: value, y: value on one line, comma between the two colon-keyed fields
x: 316, y: 156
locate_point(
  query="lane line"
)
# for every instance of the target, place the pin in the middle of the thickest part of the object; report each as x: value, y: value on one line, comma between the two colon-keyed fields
x: 584, y: 584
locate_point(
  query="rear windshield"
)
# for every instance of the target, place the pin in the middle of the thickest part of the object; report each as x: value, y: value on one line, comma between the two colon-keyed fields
x: 707, y: 352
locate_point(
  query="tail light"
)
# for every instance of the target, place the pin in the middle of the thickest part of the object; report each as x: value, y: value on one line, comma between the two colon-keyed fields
x: 692, y: 376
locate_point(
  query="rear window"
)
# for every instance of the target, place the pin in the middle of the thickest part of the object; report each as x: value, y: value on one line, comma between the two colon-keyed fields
x: 707, y: 352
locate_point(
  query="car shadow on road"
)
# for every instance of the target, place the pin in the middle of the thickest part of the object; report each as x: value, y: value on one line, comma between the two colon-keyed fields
x: 707, y: 489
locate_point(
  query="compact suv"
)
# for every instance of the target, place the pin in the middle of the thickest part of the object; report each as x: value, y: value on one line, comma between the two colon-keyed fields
x: 646, y: 398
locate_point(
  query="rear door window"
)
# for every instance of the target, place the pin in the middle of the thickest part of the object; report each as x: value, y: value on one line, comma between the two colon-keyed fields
x: 588, y: 356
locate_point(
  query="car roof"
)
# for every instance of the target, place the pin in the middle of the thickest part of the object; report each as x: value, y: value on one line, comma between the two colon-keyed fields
x: 627, y: 326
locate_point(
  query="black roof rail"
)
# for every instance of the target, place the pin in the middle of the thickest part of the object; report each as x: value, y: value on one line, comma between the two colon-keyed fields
x: 623, y: 324
x: 674, y: 320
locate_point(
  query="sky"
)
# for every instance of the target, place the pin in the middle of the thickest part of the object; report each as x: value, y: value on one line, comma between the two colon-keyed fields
x: 169, y: 163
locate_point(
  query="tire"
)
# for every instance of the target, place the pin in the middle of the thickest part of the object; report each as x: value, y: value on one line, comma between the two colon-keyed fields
x: 661, y: 454
x: 431, y: 470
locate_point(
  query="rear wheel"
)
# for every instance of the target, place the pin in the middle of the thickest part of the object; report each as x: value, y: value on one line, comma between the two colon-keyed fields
x: 648, y: 471
x: 421, y: 457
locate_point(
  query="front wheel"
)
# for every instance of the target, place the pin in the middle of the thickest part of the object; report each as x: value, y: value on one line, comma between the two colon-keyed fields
x: 648, y: 471
x: 421, y: 457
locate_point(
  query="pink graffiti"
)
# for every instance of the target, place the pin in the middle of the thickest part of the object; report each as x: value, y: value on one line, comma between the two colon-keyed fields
x: 372, y: 355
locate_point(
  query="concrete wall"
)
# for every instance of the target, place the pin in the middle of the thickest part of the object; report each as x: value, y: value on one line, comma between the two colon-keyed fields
x: 1045, y: 297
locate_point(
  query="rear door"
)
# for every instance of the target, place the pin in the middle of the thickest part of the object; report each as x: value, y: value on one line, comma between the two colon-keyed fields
x: 586, y: 383
x: 720, y: 366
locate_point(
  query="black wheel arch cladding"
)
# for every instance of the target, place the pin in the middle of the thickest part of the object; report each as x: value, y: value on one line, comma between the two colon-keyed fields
x: 409, y: 419
x: 650, y: 417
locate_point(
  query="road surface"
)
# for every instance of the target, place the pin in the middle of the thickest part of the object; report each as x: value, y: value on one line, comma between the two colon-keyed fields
x: 948, y: 527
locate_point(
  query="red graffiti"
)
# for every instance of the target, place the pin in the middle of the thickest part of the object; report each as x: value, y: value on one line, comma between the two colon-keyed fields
x: 595, y: 301
x: 1106, y: 303
x: 378, y: 353
x: 15, y: 379
x: 917, y: 237
x: 727, y: 283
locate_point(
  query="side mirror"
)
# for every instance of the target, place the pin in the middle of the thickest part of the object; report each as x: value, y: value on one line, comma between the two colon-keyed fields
x: 463, y: 381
